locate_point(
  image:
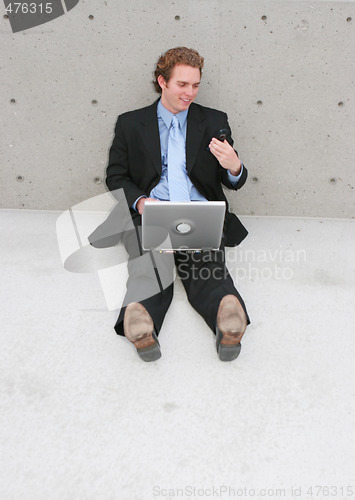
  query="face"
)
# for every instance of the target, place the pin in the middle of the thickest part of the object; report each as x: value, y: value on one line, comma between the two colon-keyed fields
x: 181, y: 89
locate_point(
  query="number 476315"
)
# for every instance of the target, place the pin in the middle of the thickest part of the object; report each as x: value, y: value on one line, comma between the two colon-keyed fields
x: 330, y: 491
x: 29, y: 8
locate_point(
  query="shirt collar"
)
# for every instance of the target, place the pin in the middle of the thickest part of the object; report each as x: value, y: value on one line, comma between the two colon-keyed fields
x: 166, y: 116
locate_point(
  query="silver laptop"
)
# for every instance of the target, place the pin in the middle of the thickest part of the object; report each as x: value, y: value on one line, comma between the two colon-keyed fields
x: 195, y: 225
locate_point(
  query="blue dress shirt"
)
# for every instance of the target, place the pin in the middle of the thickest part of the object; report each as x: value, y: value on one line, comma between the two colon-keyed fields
x: 161, y: 190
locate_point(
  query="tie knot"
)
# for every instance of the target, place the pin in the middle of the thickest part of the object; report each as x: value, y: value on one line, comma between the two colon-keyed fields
x: 175, y: 122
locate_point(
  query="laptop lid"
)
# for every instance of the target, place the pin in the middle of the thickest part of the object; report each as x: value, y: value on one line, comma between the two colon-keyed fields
x: 194, y: 225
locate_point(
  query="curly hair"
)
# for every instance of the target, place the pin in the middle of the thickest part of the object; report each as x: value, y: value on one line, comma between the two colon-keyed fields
x: 172, y: 57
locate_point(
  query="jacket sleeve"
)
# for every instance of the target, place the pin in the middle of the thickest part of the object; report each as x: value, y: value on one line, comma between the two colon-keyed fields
x: 117, y: 172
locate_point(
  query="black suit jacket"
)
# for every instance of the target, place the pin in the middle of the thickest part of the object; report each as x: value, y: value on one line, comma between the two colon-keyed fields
x: 135, y: 159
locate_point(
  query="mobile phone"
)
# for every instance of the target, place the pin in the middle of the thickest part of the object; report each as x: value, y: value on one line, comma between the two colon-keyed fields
x: 222, y: 134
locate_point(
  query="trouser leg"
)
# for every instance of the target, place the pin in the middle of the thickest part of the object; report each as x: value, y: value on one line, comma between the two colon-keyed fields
x: 206, y: 280
x: 150, y: 280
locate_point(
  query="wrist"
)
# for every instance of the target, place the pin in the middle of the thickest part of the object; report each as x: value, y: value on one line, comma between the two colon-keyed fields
x: 237, y: 167
x: 235, y: 171
x: 140, y: 204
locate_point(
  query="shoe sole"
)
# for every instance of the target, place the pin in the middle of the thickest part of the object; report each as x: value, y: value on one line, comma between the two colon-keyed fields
x: 152, y: 352
x: 226, y: 352
x: 139, y: 329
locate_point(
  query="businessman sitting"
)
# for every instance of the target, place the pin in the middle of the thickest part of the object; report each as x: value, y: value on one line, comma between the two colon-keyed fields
x: 170, y: 151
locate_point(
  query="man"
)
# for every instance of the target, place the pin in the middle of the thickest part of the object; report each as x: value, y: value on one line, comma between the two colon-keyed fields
x: 140, y: 164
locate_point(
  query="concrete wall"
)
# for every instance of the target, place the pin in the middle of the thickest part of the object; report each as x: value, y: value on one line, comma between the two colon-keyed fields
x: 283, y: 70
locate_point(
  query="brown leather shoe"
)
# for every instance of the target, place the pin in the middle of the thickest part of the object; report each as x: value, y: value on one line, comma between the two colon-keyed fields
x: 138, y: 327
x: 231, y: 325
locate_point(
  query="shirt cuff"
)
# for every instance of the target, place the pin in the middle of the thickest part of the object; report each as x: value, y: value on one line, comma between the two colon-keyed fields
x: 233, y: 179
x: 134, y: 206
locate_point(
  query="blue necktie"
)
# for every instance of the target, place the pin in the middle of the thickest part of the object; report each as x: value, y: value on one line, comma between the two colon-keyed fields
x: 177, y: 177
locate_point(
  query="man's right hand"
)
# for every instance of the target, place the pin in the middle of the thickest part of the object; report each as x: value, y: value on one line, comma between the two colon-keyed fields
x: 140, y: 204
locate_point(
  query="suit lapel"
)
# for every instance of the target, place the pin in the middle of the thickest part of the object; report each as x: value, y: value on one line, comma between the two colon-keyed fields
x: 150, y: 135
x: 196, y: 126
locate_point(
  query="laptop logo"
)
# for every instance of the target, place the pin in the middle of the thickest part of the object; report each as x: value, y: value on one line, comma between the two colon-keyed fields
x: 26, y: 15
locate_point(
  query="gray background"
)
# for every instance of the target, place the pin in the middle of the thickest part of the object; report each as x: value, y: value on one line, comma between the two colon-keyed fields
x: 286, y: 81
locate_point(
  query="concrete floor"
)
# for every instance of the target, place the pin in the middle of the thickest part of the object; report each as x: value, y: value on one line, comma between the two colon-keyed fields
x: 84, y: 418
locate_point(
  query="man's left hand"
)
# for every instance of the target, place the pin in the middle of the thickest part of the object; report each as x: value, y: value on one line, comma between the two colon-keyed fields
x: 226, y: 155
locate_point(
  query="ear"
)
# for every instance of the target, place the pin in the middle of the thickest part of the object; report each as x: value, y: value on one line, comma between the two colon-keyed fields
x: 161, y: 82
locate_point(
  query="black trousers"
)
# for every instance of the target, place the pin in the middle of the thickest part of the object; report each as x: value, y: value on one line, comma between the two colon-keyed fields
x: 204, y: 276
